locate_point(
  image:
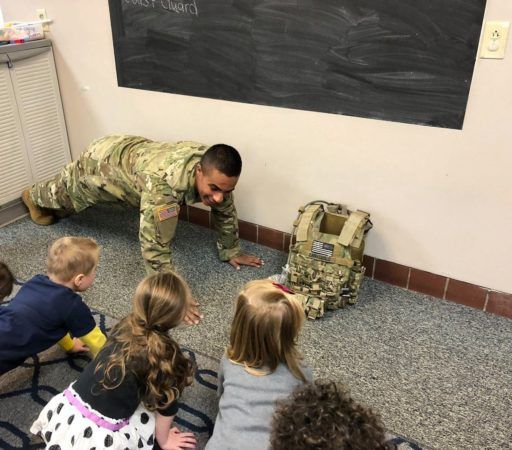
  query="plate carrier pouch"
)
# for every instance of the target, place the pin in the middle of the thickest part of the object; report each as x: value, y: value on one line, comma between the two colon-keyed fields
x: 326, y: 252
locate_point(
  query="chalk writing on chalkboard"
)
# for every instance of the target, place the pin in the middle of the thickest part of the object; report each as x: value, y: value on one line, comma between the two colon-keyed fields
x: 401, y: 60
x: 178, y: 7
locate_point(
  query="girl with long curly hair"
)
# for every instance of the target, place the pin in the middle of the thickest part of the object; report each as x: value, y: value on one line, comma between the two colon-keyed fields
x: 128, y: 395
x: 262, y: 364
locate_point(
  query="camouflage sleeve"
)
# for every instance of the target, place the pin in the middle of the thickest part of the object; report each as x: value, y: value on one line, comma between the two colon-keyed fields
x: 158, y: 221
x: 225, y: 222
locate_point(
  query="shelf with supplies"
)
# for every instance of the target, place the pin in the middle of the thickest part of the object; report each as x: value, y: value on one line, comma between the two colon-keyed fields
x: 20, y: 32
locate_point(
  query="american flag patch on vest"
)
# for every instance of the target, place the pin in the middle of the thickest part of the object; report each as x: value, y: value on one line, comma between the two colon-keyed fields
x: 322, y: 249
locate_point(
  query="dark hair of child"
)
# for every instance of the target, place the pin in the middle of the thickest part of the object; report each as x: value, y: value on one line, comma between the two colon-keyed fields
x: 323, y: 416
x: 6, y: 281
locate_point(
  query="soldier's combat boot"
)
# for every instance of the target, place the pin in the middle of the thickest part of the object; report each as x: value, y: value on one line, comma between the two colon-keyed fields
x: 62, y: 213
x: 39, y: 215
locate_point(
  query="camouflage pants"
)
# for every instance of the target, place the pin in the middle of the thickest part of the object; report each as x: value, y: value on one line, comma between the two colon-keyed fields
x: 90, y: 180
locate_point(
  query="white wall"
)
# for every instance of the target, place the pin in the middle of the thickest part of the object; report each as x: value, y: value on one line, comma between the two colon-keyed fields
x: 440, y: 200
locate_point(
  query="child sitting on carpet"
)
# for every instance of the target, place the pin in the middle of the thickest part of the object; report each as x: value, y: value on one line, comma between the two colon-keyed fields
x: 140, y: 369
x: 322, y: 416
x: 47, y: 308
x: 261, y: 364
x: 6, y: 281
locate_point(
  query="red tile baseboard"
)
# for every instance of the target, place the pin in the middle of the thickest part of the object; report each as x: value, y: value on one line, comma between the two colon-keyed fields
x: 499, y: 303
x: 391, y: 273
x: 466, y: 293
x: 271, y: 238
x: 427, y: 283
x: 248, y: 231
x: 183, y: 215
x: 199, y: 216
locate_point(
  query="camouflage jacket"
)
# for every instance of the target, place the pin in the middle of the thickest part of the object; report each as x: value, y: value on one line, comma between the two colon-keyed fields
x: 158, y: 177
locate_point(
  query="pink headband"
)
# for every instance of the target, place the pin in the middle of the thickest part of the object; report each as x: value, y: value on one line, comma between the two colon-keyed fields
x: 282, y: 288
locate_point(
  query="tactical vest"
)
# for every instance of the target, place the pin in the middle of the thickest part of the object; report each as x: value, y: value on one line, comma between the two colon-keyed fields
x: 326, y: 252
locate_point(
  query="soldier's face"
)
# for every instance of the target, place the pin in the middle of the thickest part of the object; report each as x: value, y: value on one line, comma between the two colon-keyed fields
x: 212, y: 185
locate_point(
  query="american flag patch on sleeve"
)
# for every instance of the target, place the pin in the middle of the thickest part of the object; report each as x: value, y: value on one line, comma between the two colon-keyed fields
x: 322, y: 249
x: 167, y: 211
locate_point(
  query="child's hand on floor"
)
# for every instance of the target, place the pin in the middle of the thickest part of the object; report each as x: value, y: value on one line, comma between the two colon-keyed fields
x: 78, y: 346
x: 193, y: 316
x: 178, y: 440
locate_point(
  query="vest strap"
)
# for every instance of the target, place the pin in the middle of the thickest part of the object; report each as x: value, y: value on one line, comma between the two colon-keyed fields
x: 352, y: 225
x: 305, y: 222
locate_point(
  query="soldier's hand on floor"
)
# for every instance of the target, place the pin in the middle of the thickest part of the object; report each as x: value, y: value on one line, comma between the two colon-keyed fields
x: 246, y: 260
x: 193, y: 316
x: 78, y: 346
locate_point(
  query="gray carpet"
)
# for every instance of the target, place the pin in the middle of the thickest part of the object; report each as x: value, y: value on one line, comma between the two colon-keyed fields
x: 437, y: 372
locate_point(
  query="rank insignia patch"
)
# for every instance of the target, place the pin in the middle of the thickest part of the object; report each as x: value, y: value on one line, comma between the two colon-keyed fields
x: 167, y: 211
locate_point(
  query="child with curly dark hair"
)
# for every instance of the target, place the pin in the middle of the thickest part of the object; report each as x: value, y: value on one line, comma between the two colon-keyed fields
x: 322, y: 416
x: 6, y: 281
x: 128, y: 396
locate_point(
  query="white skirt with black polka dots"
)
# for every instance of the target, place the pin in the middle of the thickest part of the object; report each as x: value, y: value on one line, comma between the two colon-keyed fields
x: 62, y: 425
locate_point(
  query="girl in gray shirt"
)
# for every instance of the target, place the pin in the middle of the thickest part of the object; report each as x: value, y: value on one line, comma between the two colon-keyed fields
x: 261, y: 365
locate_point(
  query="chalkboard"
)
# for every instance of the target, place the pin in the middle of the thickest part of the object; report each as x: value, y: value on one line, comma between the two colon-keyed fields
x: 401, y: 60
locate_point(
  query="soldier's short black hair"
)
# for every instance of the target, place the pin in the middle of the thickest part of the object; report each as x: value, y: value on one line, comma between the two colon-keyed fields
x: 323, y: 416
x: 224, y: 158
x: 6, y: 281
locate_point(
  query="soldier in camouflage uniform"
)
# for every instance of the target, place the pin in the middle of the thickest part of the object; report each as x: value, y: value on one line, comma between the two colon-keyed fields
x: 157, y: 177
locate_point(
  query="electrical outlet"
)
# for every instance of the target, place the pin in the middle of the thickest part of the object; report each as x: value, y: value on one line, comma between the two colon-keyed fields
x: 494, y: 40
x: 41, y: 15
